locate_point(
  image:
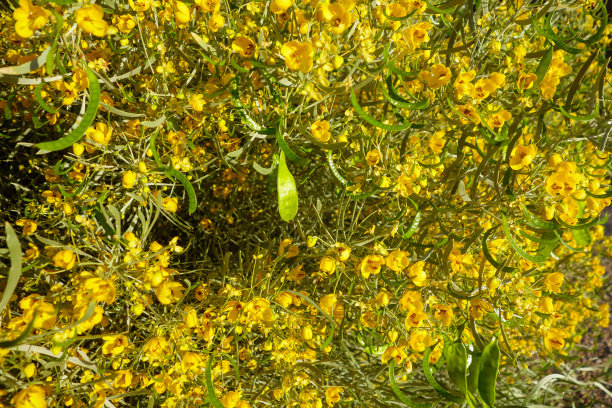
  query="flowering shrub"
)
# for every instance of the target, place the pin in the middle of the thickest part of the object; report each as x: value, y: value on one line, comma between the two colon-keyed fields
x: 347, y: 203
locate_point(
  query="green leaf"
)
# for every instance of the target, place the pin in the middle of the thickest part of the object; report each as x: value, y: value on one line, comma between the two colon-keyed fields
x: 291, y: 155
x: 489, y: 369
x: 14, y: 273
x: 374, y: 122
x: 25, y: 333
x: 86, y: 120
x: 334, y: 170
x: 579, y: 76
x: 287, y: 191
x: 28, y: 66
x: 473, y: 374
x: 193, y: 200
x: 398, y: 392
x: 585, y: 118
x: 432, y: 381
x: 543, y: 66
x: 41, y: 101
x: 329, y: 338
x: 582, y: 237
x: 210, y: 387
x: 415, y: 222
x: 50, y: 61
x: 519, y: 250
x: 487, y: 253
x: 396, y: 100
x: 456, y: 365
x: 246, y: 117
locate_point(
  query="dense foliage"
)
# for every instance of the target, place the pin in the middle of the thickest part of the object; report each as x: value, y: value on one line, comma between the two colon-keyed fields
x: 302, y: 204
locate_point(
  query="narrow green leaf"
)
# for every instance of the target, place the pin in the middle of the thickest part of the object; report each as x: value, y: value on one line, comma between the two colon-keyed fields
x: 543, y: 66
x: 513, y: 244
x: 41, y: 101
x: 432, y: 381
x: 489, y: 369
x: 456, y: 365
x: 28, y: 66
x: 396, y: 100
x: 290, y: 154
x: 287, y: 191
x: 334, y: 170
x: 210, y: 387
x: 582, y: 237
x: 193, y: 200
x: 579, y: 76
x: 14, y: 273
x: 473, y: 374
x: 86, y: 120
x: 372, y: 121
x: 50, y: 61
x: 25, y: 333
x: 398, y: 392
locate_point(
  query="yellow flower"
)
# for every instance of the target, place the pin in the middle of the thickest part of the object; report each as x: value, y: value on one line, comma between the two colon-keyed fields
x: 216, y: 22
x: 332, y: 395
x: 397, y: 260
x: 320, y: 130
x: 545, y: 305
x: 370, y: 265
x: 244, y: 46
x: 280, y: 6
x: 29, y: 226
x: 553, y: 281
x: 100, y: 134
x: 30, y: 397
x: 298, y: 56
x: 169, y: 292
x: 67, y: 90
x: 498, y: 118
x: 438, y: 75
x: 129, y: 179
x: 410, y: 300
x: 156, y: 349
x: 394, y: 353
x: 469, y: 112
x: 140, y: 5
x: 209, y: 6
x: 373, y: 157
x: 327, y: 265
x: 123, y: 379
x: 101, y: 290
x: 482, y: 89
x: 115, y: 344
x: 414, y: 318
x: 443, y: 313
x: 420, y: 340
x: 554, y: 339
x: 417, y: 273
x: 170, y: 204
x: 125, y: 23
x: 64, y: 259
x: 182, y: 13
x: 258, y: 310
x: 437, y: 142
x: 338, y: 16
x: 416, y: 35
x: 91, y: 20
x: 463, y: 84
x: 522, y: 156
x: 29, y: 18
x: 30, y: 370
x: 526, y: 81
x: 478, y: 308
